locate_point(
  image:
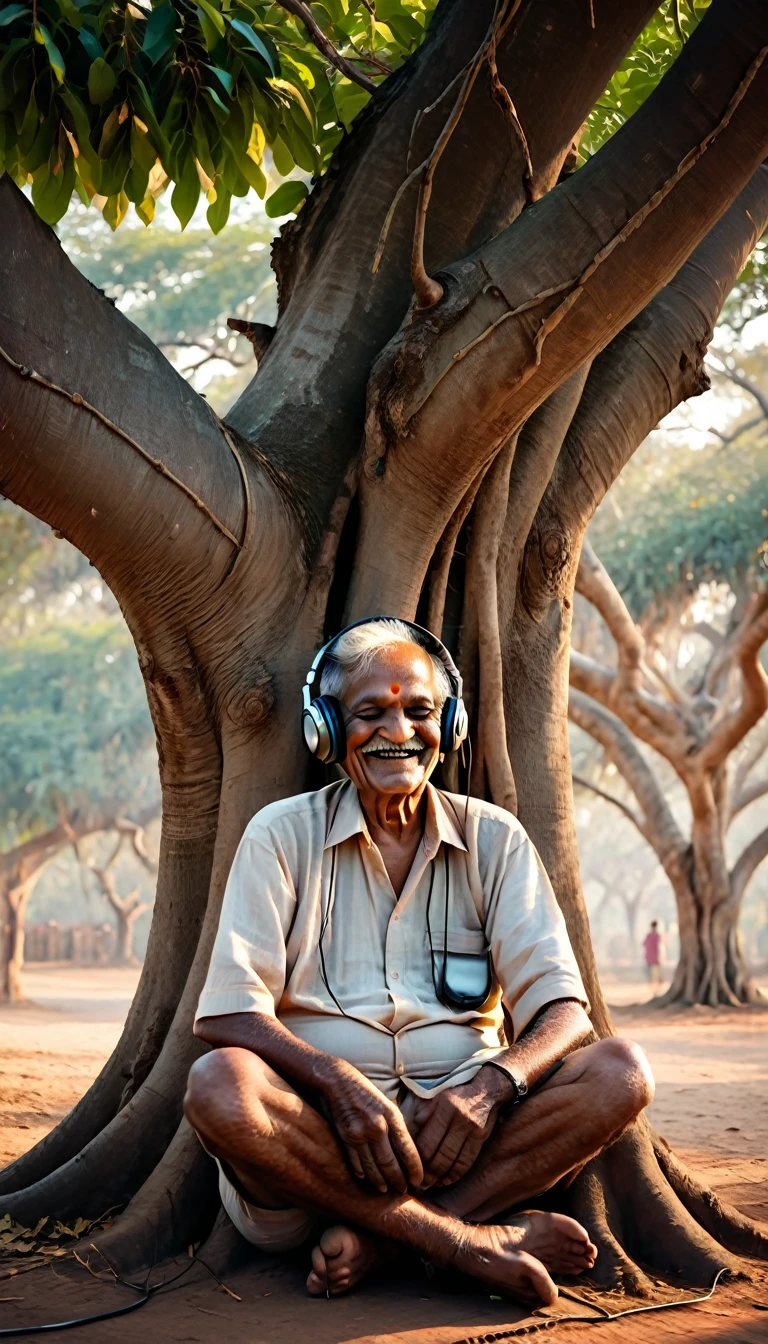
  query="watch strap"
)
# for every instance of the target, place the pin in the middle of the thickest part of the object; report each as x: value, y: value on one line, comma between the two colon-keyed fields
x: 519, y: 1084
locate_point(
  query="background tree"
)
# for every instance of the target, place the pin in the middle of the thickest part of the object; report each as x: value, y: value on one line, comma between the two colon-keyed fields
x: 76, y: 755
x: 697, y: 730
x: 126, y: 908
x: 500, y: 340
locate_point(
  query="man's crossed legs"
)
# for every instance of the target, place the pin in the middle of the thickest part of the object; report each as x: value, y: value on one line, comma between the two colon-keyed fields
x: 282, y: 1151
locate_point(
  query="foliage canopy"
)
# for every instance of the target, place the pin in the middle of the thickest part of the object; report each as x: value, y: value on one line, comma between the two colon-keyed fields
x: 678, y: 518
x: 115, y: 101
x: 74, y: 727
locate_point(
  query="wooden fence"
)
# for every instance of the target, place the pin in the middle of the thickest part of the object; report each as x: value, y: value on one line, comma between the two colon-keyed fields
x: 82, y: 944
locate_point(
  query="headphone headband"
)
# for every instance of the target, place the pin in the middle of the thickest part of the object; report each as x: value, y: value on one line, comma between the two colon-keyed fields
x: 428, y: 641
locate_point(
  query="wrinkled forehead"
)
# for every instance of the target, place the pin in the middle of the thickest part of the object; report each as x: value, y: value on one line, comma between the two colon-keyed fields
x: 405, y: 666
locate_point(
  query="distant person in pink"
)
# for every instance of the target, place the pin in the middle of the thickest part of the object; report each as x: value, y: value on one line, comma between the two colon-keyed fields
x: 652, y: 946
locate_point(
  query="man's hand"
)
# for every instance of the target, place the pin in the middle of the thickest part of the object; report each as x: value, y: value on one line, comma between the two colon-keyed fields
x: 380, y: 1149
x: 453, y: 1127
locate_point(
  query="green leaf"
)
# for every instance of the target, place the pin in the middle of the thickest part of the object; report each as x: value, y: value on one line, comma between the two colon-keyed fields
x: 286, y: 200
x: 226, y: 80
x: 101, y: 81
x: 160, y: 32
x: 349, y: 99
x: 55, y: 57
x: 214, y: 16
x: 70, y: 12
x: 217, y: 213
x: 302, y: 151
x: 214, y: 97
x: 116, y: 209
x: 108, y: 133
x: 51, y: 191
x: 11, y: 12
x: 90, y: 43
x: 28, y: 127
x: 146, y: 211
x: 282, y: 157
x: 186, y: 192
x: 81, y: 191
x: 143, y: 105
x: 81, y: 126
x: 266, y: 53
x: 251, y: 172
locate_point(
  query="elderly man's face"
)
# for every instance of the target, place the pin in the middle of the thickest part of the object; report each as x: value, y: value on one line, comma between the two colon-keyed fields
x: 393, y: 724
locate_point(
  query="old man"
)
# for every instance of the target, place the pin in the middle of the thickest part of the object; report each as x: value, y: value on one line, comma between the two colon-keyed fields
x: 394, y: 1007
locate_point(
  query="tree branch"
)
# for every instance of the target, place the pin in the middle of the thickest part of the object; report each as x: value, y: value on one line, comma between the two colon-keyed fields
x: 658, y: 824
x: 747, y: 642
x: 507, y: 333
x: 90, y: 441
x: 739, y: 379
x: 749, y: 794
x: 324, y: 259
x: 748, y: 863
x: 754, y: 749
x: 585, y: 783
x: 665, y: 727
x: 482, y: 595
x: 324, y: 45
x: 651, y: 366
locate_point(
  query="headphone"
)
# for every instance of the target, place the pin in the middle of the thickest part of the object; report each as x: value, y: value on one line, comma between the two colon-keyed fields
x: 322, y: 719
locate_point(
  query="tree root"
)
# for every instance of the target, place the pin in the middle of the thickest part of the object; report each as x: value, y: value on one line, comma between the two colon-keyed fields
x: 593, y: 1204
x: 721, y: 1220
x: 649, y: 1218
x: 176, y: 1207
x: 108, y: 1170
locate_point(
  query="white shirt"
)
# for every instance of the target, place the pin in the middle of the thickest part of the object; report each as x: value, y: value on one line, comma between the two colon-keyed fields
x: 376, y: 946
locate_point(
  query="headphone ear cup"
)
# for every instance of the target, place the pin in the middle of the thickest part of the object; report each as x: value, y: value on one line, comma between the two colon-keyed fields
x: 448, y: 726
x: 453, y: 725
x: 324, y: 731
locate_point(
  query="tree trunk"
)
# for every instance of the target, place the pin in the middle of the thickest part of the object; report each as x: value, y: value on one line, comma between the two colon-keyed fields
x: 14, y: 902
x: 235, y: 548
x: 123, y: 953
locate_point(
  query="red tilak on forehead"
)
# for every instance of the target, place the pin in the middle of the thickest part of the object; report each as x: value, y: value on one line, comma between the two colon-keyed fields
x: 394, y: 688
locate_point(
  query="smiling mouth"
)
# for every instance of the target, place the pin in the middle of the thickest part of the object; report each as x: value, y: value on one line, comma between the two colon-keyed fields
x: 395, y: 753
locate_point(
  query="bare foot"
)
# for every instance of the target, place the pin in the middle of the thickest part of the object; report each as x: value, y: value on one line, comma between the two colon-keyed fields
x: 560, y: 1243
x: 340, y: 1260
x: 493, y: 1253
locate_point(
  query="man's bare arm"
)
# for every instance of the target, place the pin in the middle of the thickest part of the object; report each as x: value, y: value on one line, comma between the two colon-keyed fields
x: 555, y: 1031
x: 370, y: 1126
x: 454, y: 1127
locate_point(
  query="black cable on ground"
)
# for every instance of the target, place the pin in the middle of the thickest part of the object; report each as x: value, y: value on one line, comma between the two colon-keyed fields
x: 550, y: 1322
x: 147, y: 1291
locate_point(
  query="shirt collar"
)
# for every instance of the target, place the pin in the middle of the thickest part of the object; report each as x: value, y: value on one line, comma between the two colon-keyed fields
x: 346, y: 818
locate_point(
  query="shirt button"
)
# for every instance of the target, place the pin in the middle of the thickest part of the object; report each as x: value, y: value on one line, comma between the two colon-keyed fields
x: 400, y: 1069
x: 395, y: 975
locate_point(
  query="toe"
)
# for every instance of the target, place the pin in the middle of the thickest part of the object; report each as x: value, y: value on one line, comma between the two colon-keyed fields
x: 539, y: 1279
x: 315, y: 1285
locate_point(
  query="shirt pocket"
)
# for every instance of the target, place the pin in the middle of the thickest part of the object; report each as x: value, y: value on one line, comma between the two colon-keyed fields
x: 468, y: 967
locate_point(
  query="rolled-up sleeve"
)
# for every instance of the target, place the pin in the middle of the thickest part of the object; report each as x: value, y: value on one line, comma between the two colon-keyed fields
x: 532, y: 955
x: 248, y: 964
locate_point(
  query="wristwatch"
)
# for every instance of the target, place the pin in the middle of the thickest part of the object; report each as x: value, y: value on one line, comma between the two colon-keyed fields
x: 519, y: 1084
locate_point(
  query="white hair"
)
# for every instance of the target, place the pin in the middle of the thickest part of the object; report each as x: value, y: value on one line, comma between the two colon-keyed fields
x: 355, y: 650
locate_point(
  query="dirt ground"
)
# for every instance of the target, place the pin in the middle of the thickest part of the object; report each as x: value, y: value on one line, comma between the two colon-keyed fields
x: 711, y: 1069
